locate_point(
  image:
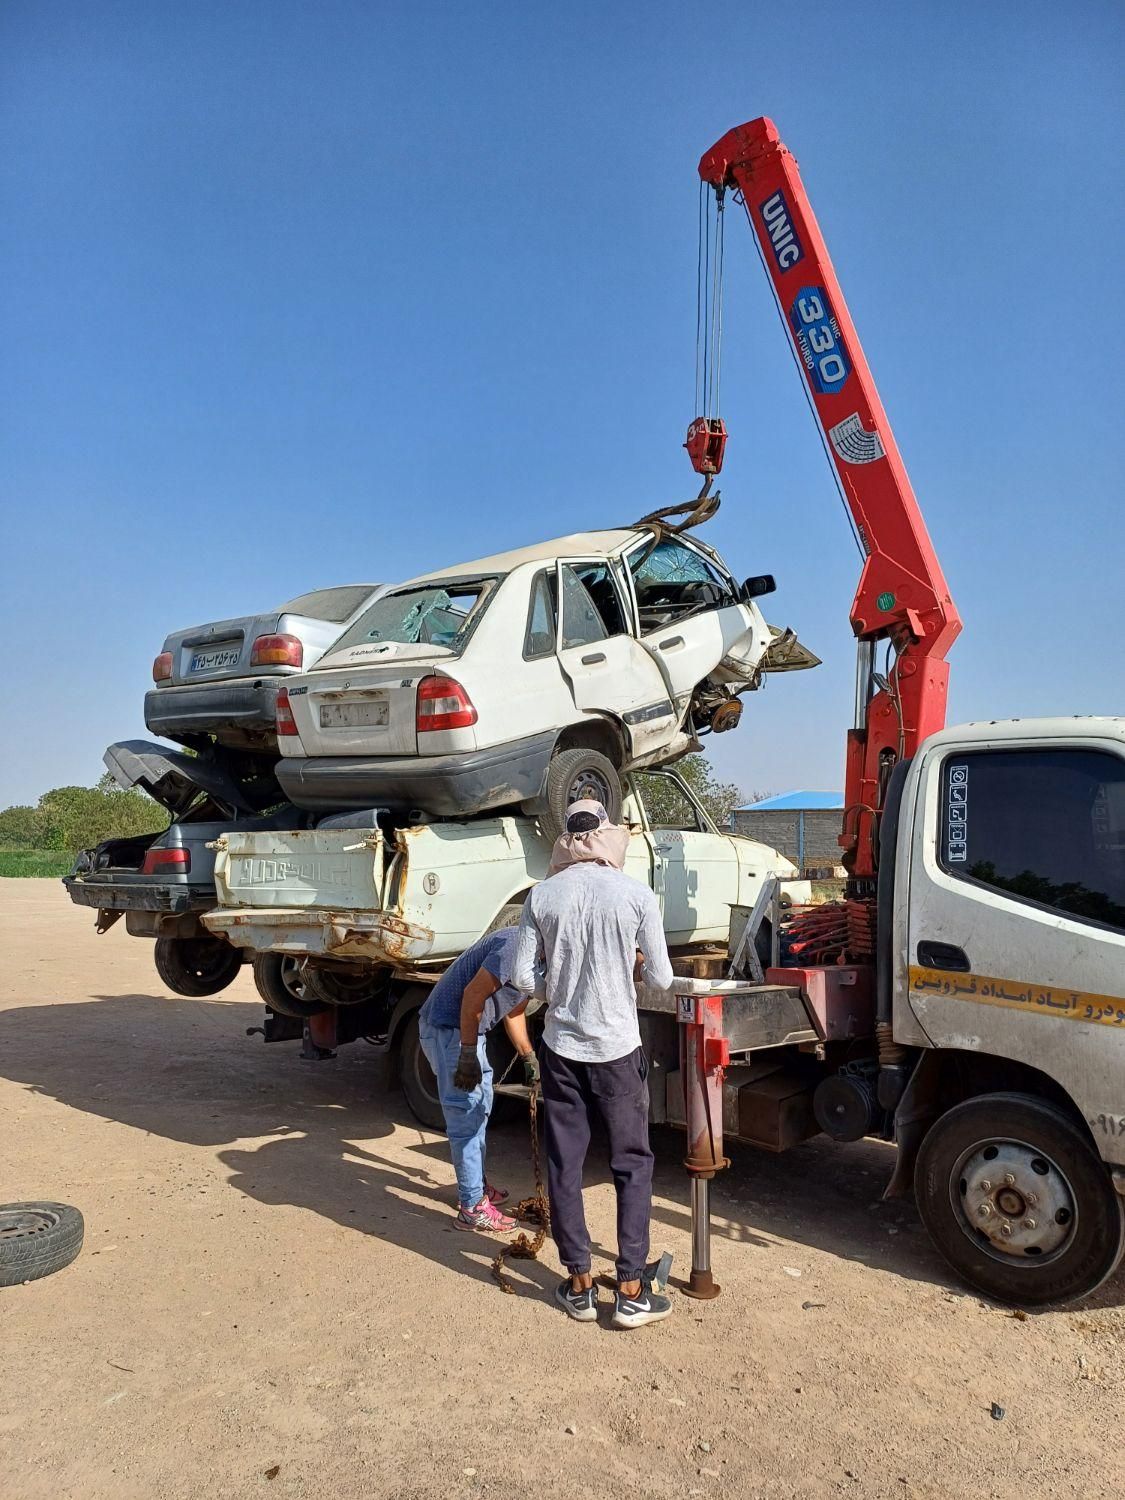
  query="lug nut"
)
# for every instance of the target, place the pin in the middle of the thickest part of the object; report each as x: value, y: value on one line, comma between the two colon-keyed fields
x: 1009, y: 1180
x: 1006, y: 1230
x: 986, y: 1186
x: 984, y: 1210
x: 1032, y: 1198
x: 1029, y: 1223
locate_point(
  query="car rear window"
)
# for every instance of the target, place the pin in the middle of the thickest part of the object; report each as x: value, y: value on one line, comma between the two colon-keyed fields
x: 434, y: 614
x: 330, y: 604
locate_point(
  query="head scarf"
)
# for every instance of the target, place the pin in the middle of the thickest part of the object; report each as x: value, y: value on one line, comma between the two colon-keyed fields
x: 590, y: 838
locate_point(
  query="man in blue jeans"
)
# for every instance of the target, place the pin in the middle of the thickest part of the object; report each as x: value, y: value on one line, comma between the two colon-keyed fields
x: 471, y: 997
x: 593, y: 929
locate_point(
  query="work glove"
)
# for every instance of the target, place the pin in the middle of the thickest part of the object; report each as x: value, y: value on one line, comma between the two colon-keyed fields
x: 531, y: 1070
x: 468, y: 1074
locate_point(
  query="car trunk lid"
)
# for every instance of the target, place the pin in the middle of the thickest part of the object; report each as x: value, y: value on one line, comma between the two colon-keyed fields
x: 173, y: 778
x: 210, y: 653
x: 364, y: 709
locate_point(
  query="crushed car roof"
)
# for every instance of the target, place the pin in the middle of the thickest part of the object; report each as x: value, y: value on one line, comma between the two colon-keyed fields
x: 580, y: 544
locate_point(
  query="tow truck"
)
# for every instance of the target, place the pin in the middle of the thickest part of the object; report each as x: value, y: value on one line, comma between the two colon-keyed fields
x: 967, y: 994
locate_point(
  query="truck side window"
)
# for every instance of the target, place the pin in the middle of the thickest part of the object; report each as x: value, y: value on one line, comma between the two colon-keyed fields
x: 665, y: 805
x: 539, y: 639
x: 1044, y: 826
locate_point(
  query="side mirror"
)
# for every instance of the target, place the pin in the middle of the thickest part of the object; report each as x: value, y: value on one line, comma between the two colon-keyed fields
x: 754, y: 588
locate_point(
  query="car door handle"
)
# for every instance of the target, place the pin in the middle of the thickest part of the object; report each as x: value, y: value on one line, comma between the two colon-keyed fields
x: 671, y: 643
x: 943, y: 956
x: 593, y: 659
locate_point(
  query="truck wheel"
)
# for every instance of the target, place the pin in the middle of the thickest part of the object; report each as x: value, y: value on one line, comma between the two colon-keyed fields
x: 196, y: 966
x: 338, y: 986
x: 1017, y: 1200
x: 280, y: 980
x: 417, y: 1077
x: 578, y: 773
x: 37, y: 1239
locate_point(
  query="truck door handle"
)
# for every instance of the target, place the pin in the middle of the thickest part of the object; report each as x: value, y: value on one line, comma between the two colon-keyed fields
x: 593, y: 659
x: 943, y: 956
x: 671, y: 643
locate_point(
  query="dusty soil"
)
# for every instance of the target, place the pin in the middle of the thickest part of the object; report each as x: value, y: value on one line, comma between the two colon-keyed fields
x: 272, y: 1300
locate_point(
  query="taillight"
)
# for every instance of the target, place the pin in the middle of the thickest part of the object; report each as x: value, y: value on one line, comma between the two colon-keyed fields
x: 443, y: 704
x: 162, y: 859
x: 286, y: 723
x: 162, y: 667
x: 277, y: 651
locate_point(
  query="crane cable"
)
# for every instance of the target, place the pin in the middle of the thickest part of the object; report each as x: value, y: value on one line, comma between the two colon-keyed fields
x: 709, y: 303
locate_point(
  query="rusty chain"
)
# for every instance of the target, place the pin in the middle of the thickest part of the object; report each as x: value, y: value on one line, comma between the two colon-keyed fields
x: 533, y: 1210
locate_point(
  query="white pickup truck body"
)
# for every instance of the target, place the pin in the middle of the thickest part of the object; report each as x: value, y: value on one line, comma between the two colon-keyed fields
x: 427, y: 893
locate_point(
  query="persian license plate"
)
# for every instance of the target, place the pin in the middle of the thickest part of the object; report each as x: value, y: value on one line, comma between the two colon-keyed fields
x: 216, y: 659
x: 366, y: 714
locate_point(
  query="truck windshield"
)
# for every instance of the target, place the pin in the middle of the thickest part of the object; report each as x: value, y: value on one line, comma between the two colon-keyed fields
x: 436, y: 614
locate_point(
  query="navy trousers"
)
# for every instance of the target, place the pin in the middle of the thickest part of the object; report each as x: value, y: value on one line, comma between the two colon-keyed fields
x: 574, y: 1094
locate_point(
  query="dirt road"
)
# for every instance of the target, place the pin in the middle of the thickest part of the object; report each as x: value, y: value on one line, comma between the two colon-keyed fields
x: 271, y: 1286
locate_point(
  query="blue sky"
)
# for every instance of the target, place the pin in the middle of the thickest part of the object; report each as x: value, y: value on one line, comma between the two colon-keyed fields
x: 296, y: 295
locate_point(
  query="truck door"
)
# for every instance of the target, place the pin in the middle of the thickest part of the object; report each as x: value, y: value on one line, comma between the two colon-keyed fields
x: 609, y: 671
x: 1015, y: 937
x: 696, y: 870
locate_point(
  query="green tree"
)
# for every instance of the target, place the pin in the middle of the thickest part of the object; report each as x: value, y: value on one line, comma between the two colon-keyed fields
x: 21, y: 828
x: 70, y: 818
x: 720, y: 798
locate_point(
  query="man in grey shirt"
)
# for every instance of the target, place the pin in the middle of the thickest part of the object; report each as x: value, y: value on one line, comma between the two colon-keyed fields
x: 589, y: 928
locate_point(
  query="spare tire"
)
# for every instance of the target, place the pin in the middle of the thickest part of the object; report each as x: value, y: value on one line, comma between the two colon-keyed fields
x: 196, y: 966
x: 37, y: 1239
x: 573, y: 774
x: 280, y: 980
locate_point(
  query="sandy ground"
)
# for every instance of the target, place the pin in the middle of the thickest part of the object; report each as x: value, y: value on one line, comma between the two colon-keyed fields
x: 271, y: 1299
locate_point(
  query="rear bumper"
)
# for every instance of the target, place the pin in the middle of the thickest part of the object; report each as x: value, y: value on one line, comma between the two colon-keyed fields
x: 378, y: 937
x: 246, y: 706
x: 448, y: 785
x: 116, y: 892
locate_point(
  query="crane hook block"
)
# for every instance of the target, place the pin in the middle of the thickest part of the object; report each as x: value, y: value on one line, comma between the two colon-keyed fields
x: 706, y: 440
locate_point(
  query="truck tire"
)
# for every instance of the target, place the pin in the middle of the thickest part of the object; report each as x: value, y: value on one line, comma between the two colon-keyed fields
x: 578, y: 773
x: 338, y: 986
x: 417, y: 1077
x: 37, y: 1239
x: 196, y: 966
x: 280, y: 980
x: 1017, y: 1200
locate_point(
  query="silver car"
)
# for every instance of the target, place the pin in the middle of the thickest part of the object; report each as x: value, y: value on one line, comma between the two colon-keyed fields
x: 220, y: 682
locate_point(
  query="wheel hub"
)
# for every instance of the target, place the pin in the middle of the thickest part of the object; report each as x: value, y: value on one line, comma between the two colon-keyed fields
x: 588, y: 784
x: 1013, y: 1200
x: 18, y: 1223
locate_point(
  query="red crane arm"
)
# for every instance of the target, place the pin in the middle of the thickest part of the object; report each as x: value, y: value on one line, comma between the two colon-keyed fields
x: 902, y: 593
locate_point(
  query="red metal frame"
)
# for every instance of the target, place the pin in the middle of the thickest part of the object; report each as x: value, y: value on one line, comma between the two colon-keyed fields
x: 902, y: 593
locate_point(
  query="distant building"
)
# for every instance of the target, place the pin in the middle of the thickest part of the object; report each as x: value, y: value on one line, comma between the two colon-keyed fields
x: 804, y: 826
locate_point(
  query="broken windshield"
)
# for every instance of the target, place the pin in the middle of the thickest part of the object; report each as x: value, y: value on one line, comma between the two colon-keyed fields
x: 436, y: 614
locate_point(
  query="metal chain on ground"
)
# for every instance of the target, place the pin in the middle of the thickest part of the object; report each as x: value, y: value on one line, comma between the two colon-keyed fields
x: 533, y: 1210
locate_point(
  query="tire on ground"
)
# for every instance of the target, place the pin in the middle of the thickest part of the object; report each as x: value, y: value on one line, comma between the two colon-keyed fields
x: 579, y: 773
x: 417, y: 1078
x: 37, y: 1239
x: 338, y: 986
x: 1097, y: 1242
x: 280, y: 981
x: 196, y: 966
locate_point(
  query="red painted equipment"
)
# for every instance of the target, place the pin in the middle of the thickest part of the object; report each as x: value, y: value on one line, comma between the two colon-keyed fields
x: 902, y: 595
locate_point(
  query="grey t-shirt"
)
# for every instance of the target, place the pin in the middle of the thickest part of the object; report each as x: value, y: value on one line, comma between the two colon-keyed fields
x: 585, y: 925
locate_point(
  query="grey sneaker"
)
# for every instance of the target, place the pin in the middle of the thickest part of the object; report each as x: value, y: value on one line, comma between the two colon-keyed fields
x: 581, y: 1306
x: 646, y: 1307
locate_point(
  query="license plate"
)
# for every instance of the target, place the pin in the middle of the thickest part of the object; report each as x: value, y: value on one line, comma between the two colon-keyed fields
x: 213, y: 661
x: 364, y: 715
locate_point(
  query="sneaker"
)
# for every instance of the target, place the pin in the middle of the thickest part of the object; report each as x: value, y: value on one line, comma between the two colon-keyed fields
x: 484, y: 1216
x: 581, y: 1306
x: 496, y: 1195
x: 646, y: 1307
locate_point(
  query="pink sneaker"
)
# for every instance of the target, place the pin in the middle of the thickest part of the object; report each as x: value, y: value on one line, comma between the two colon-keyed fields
x: 484, y: 1216
x: 496, y: 1195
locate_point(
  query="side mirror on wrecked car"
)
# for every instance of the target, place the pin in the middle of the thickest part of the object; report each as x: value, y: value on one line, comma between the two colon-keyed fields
x: 754, y: 588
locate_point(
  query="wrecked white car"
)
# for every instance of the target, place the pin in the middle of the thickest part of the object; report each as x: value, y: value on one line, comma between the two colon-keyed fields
x: 527, y: 679
x: 351, y: 900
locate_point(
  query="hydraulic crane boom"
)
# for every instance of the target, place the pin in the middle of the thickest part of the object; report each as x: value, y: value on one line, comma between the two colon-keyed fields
x: 902, y: 594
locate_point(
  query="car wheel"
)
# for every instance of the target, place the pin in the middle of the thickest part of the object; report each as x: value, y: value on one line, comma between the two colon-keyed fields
x: 196, y: 966
x: 417, y: 1078
x: 574, y: 774
x: 507, y: 916
x: 1017, y: 1200
x: 339, y: 986
x: 37, y: 1239
x: 281, y: 982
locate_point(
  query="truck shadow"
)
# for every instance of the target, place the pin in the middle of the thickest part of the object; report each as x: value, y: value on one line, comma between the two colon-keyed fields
x: 306, y: 1135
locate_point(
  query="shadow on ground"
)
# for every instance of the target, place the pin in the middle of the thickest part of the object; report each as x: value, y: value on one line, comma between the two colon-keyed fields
x: 186, y: 1070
